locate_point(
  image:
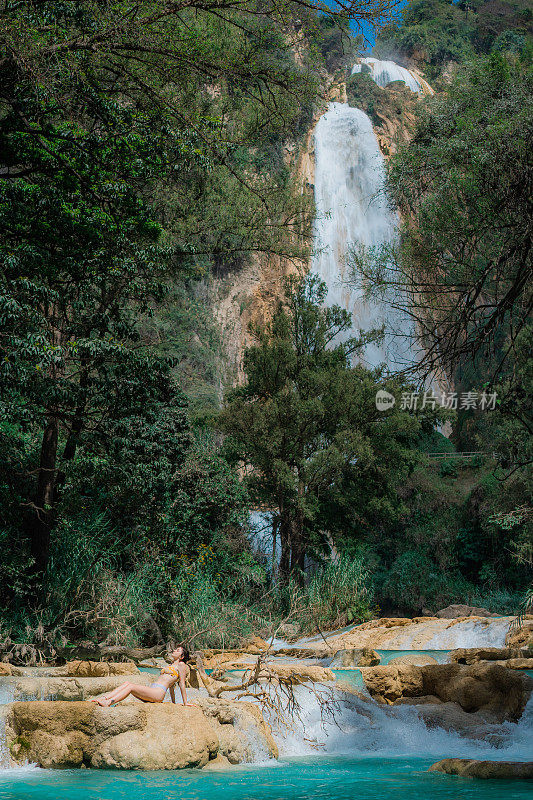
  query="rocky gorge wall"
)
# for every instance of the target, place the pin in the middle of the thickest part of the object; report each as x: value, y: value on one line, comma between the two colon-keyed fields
x: 250, y: 294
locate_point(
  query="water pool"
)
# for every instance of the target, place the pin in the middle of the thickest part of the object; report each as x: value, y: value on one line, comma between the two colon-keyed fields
x: 319, y: 778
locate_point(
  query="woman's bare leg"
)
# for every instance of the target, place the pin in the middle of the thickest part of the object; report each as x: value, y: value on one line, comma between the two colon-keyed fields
x: 146, y: 693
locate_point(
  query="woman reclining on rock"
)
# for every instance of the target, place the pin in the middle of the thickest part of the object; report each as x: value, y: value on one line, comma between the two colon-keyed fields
x: 176, y: 672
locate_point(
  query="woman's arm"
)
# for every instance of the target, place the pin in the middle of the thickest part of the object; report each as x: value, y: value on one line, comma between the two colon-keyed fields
x: 182, y: 688
x: 172, y: 695
x: 182, y: 669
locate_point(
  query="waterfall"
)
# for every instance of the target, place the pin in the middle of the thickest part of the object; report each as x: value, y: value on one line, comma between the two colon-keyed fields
x: 385, y: 72
x: 361, y: 727
x: 352, y: 210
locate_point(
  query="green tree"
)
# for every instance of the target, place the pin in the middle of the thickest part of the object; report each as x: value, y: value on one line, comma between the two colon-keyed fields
x: 463, y: 265
x: 305, y: 428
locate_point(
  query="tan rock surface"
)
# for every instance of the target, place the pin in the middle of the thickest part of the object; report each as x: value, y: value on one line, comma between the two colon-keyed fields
x: 472, y: 655
x: 99, y: 669
x: 469, y: 768
x: 453, y: 612
x: 53, y: 688
x: 301, y: 673
x: 522, y: 636
x: 148, y: 736
x: 418, y: 659
x: 495, y: 691
x: 358, y: 657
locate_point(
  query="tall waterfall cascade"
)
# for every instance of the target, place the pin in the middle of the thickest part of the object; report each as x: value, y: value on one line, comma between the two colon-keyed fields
x: 352, y: 211
x: 385, y: 72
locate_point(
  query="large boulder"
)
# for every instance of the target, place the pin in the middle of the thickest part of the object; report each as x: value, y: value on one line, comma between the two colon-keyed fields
x: 451, y: 717
x: 496, y: 692
x: 317, y: 652
x: 355, y: 657
x: 99, y: 669
x: 418, y: 659
x: 298, y: 673
x: 472, y: 655
x: 54, y: 688
x: 256, y: 645
x: 452, y: 612
x: 469, y: 768
x: 521, y: 636
x: 152, y: 736
x: 519, y: 663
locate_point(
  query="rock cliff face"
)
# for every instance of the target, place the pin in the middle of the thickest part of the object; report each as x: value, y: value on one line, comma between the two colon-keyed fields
x: 250, y: 295
x: 134, y: 736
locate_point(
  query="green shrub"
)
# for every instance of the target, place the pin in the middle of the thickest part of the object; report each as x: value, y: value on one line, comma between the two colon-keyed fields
x: 339, y: 594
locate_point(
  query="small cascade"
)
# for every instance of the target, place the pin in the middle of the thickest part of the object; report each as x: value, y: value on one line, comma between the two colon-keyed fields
x: 363, y: 728
x: 451, y: 635
x: 352, y: 210
x: 385, y: 72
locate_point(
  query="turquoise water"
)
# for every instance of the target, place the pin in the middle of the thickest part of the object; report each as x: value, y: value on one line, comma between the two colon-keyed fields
x: 440, y: 656
x: 301, y: 779
x: 352, y: 676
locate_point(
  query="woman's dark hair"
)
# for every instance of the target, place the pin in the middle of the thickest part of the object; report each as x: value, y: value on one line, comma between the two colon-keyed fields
x: 186, y: 655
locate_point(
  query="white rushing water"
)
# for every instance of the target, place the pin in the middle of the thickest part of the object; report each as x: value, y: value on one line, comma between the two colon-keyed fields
x: 385, y: 72
x: 352, y: 210
x: 447, y: 634
x: 365, y: 728
x: 470, y: 633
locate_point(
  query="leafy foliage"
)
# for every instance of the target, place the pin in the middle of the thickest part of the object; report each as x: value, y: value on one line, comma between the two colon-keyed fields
x: 306, y: 430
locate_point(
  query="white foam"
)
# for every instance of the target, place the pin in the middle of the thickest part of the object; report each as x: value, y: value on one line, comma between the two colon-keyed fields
x: 362, y: 727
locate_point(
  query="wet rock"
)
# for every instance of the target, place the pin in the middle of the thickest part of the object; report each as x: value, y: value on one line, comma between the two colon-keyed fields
x: 452, y: 612
x: 300, y: 673
x: 220, y: 762
x: 519, y: 663
x: 472, y: 655
x: 418, y: 659
x: 470, y: 768
x: 148, y: 737
x: 256, y: 645
x: 495, y: 691
x: 318, y: 652
x: 521, y: 636
x: 355, y: 657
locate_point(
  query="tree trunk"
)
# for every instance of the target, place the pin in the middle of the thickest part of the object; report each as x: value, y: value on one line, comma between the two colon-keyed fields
x: 39, y: 518
x: 284, y: 529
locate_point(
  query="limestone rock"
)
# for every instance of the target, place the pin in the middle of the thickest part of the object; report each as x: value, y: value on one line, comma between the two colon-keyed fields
x: 256, y: 645
x: 472, y: 655
x: 451, y: 612
x: 470, y: 768
x: 300, y: 673
x: 418, y: 659
x: 218, y: 763
x: 355, y: 657
x: 5, y: 669
x: 520, y: 663
x: 149, y: 737
x: 495, y: 691
x: 388, y: 684
x: 58, y: 688
x: 318, y: 652
x: 99, y: 669
x: 522, y: 636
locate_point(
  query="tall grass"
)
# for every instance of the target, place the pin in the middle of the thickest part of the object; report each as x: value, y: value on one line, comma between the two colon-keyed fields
x: 338, y: 594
